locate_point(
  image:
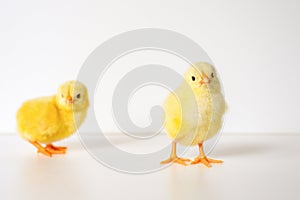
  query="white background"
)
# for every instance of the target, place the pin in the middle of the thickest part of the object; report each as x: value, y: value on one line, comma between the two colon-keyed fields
x: 254, y: 44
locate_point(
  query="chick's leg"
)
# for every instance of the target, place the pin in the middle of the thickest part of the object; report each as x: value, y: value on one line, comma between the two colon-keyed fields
x: 203, y: 159
x: 55, y: 149
x: 174, y: 158
x: 40, y: 148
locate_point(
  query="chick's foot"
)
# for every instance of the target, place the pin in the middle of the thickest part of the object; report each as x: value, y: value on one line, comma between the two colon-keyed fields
x: 41, y: 149
x: 49, y: 149
x: 182, y: 161
x: 205, y: 161
x: 55, y: 149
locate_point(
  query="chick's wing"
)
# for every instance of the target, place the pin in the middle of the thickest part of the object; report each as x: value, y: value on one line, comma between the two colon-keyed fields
x: 39, y: 117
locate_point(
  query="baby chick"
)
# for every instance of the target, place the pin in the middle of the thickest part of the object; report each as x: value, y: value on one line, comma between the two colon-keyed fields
x: 209, y: 109
x: 49, y: 119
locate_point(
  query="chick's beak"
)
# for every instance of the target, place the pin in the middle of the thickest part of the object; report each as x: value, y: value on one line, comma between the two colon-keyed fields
x: 69, y: 99
x: 204, y: 79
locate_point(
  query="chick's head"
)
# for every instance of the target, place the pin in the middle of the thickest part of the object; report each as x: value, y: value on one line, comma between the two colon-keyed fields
x: 72, y: 95
x: 201, y: 74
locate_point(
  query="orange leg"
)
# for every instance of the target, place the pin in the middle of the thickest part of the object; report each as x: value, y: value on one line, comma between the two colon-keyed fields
x: 40, y: 148
x: 174, y: 158
x: 203, y: 159
x: 55, y: 150
x: 49, y: 149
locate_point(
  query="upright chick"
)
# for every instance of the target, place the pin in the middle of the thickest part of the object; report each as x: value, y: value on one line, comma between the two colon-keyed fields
x: 191, y: 123
x: 50, y: 119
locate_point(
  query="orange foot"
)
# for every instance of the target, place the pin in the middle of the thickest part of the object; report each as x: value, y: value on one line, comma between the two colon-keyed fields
x: 206, y: 161
x: 49, y: 149
x: 176, y: 159
x: 55, y: 149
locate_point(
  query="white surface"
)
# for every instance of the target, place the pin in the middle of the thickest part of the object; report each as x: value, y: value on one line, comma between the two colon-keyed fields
x: 256, y: 167
x: 254, y: 44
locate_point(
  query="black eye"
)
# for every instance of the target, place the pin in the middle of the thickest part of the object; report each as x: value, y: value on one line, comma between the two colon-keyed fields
x: 212, y: 75
x: 78, y: 96
x: 62, y: 96
x: 193, y: 78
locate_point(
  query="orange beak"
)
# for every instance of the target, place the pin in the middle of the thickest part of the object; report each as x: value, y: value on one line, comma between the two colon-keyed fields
x: 204, y: 79
x: 69, y: 99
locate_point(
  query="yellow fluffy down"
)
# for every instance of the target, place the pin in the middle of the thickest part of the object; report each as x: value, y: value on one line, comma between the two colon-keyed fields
x: 203, y: 107
x: 49, y: 119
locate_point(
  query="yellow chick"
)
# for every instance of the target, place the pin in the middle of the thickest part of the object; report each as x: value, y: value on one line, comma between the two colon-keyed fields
x: 49, y: 119
x: 191, y: 124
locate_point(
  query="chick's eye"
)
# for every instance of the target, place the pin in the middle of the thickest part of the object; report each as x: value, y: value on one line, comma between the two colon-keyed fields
x: 62, y: 96
x: 212, y: 75
x: 193, y: 78
x: 78, y: 96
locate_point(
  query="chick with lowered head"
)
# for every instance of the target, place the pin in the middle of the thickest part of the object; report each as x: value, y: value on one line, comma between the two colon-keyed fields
x: 46, y: 120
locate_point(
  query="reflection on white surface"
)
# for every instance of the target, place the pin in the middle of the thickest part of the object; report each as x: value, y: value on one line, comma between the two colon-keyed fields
x: 255, y: 167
